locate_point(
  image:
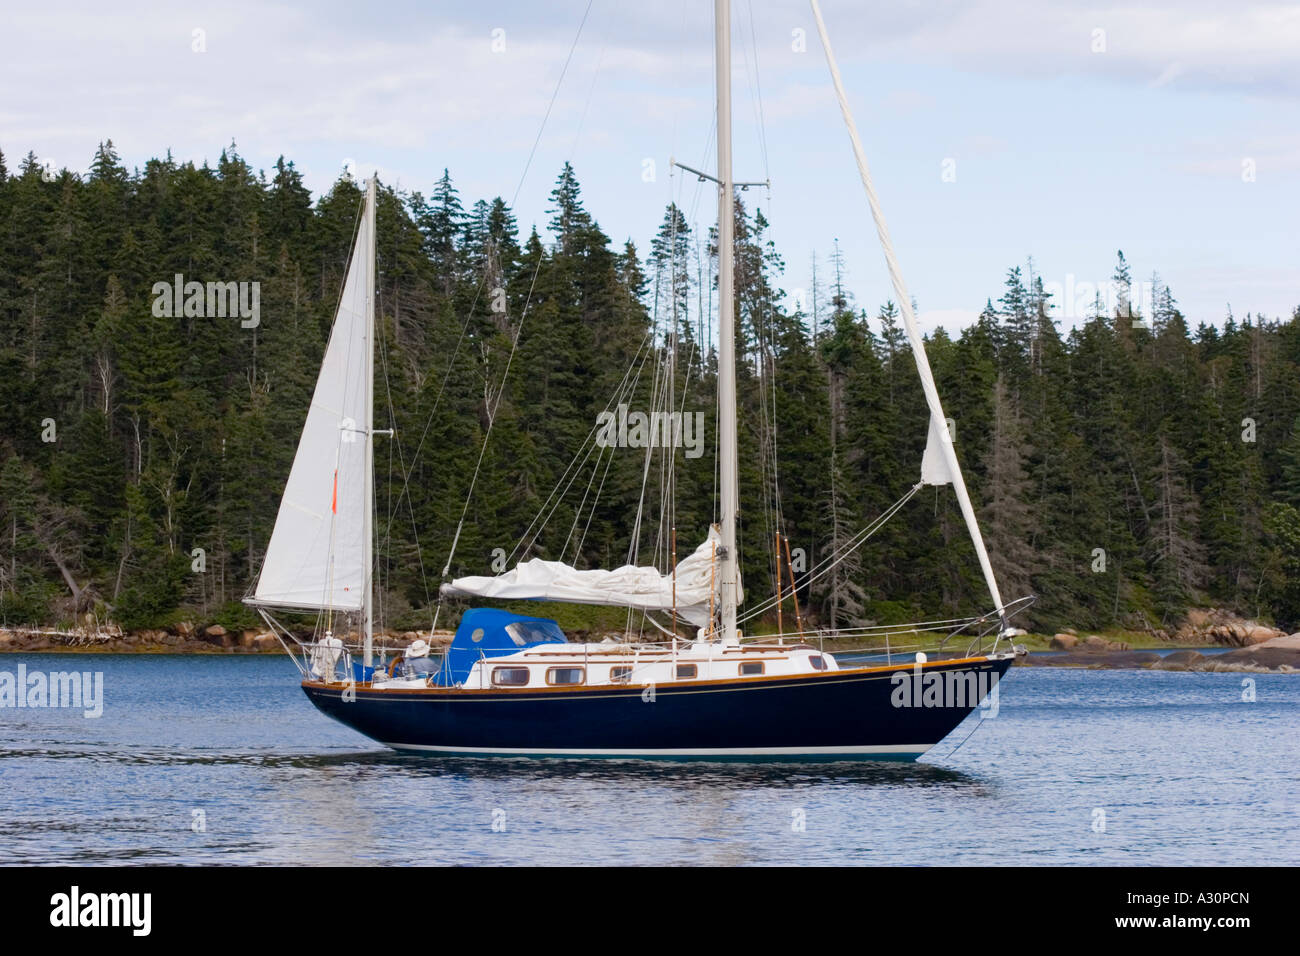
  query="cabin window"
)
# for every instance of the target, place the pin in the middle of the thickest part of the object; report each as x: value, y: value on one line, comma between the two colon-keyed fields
x: 817, y: 661
x: 620, y: 674
x: 524, y: 633
x: 566, y: 675
x: 510, y: 676
x: 751, y: 668
x: 686, y: 671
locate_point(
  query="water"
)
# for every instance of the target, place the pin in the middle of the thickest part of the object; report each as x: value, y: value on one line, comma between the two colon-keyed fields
x: 1182, y: 769
x: 1158, y: 651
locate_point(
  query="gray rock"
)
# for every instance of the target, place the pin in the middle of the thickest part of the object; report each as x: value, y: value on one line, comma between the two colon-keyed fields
x: 1181, y: 661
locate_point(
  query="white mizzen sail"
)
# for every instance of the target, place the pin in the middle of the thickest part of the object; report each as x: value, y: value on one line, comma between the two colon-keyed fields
x: 628, y: 586
x: 318, y: 555
x: 934, y: 464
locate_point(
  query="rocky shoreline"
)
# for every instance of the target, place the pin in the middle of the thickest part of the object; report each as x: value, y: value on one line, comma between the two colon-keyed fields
x: 1278, y: 655
x: 1255, y: 647
x: 184, y: 639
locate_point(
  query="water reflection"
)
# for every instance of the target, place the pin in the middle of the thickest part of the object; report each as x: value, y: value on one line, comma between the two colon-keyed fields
x: 721, y: 775
x: 662, y: 773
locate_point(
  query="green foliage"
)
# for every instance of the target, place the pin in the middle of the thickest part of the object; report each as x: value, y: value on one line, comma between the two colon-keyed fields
x: 1282, y: 576
x: 177, y: 432
x: 236, y: 616
x: 30, y: 607
x: 153, y: 601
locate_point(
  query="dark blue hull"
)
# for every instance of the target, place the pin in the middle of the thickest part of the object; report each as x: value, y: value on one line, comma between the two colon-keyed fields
x: 848, y: 714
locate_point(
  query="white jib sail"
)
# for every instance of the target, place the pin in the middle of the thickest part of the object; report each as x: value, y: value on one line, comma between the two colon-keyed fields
x: 629, y: 586
x: 316, y: 558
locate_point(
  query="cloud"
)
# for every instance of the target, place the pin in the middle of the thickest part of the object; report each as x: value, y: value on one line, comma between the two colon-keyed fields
x: 426, y: 79
x: 1263, y: 156
x: 276, y: 77
x: 419, y: 88
x: 1206, y: 44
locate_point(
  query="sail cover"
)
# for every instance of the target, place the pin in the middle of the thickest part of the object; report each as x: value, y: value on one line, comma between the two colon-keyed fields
x: 316, y: 555
x: 628, y: 586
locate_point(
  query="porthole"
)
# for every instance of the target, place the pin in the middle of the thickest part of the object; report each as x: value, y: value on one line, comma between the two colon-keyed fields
x: 510, y: 676
x: 566, y: 675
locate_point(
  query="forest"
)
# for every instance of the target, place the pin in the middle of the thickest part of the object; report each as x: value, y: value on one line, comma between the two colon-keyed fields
x: 1124, y: 469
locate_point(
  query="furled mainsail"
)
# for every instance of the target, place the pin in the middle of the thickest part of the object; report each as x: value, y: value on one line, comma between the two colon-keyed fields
x: 644, y: 588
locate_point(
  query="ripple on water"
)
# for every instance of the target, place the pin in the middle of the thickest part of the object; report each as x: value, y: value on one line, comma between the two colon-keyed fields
x: 1180, y: 768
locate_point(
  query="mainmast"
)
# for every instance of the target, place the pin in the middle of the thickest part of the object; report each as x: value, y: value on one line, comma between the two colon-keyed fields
x: 368, y: 434
x: 729, y: 557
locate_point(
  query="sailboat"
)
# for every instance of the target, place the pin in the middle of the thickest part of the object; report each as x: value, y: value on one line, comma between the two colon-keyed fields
x: 511, y: 684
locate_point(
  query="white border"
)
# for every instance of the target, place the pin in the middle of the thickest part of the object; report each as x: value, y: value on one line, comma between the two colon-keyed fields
x: 905, y: 749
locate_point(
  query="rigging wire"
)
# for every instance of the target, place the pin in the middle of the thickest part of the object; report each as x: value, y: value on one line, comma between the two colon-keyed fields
x: 626, y: 388
x: 582, y: 120
x: 395, y: 443
x: 492, y: 414
x: 835, y: 558
x: 663, y: 390
x: 490, y: 252
x: 551, y: 105
x: 758, y: 94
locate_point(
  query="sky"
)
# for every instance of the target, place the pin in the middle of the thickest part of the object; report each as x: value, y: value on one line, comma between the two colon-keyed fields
x: 996, y: 130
